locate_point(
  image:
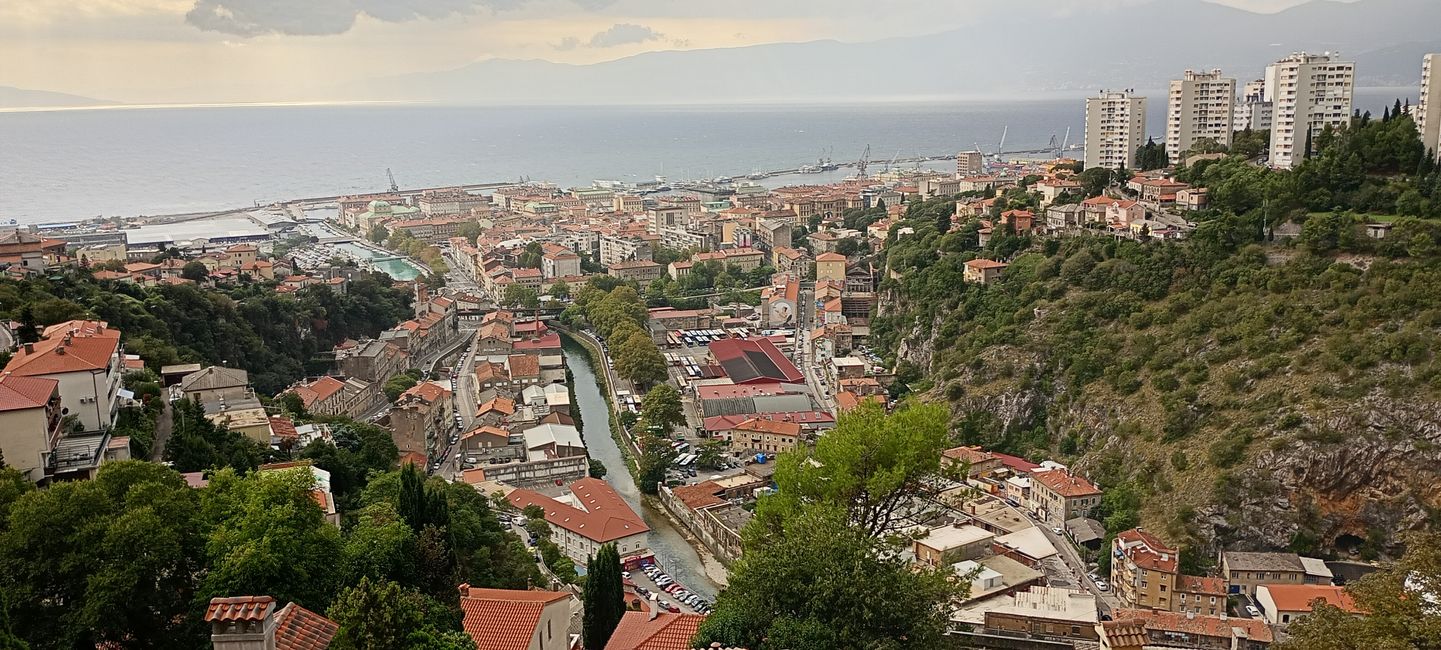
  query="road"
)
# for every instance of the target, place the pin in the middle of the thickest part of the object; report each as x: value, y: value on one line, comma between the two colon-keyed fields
x: 462, y: 400
x: 163, y: 425
x: 1072, y: 558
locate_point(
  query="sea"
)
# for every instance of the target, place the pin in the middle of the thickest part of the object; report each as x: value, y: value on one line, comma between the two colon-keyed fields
x: 64, y: 165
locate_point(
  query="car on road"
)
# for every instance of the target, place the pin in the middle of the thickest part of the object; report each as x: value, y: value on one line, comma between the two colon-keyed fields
x: 1102, y: 585
x: 1058, y: 531
x: 669, y: 607
x: 1253, y: 612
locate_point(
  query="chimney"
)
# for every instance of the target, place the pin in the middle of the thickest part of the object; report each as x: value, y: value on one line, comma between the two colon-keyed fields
x: 60, y: 350
x: 29, y: 348
x: 242, y: 623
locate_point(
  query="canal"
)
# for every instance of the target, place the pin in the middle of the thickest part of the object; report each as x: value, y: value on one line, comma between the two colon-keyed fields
x: 671, y: 550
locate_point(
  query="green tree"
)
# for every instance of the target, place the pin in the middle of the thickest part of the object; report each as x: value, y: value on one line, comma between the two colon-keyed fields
x: 470, y: 230
x: 109, y: 560
x: 1094, y: 181
x: 196, y: 443
x: 293, y: 405
x: 268, y: 536
x: 639, y: 360
x: 29, y: 330
x: 519, y: 296
x: 821, y: 583
x: 378, y: 234
x: 195, y: 272
x: 661, y: 407
x: 655, y: 458
x: 399, y: 384
x: 560, y: 290
x: 376, y: 615
x: 596, y: 469
x: 871, y: 464
x: 604, y: 598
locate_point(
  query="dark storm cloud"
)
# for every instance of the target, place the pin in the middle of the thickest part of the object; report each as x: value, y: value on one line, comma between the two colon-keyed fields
x: 321, y: 17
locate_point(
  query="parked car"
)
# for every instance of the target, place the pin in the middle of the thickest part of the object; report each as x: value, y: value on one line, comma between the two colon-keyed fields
x: 1102, y: 585
x: 1255, y: 613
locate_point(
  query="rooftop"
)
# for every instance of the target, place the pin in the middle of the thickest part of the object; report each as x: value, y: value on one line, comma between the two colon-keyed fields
x: 504, y: 619
x: 946, y: 538
x: 662, y: 631
x: 605, y: 518
x: 1244, y: 561
x: 1300, y: 598
x: 747, y: 360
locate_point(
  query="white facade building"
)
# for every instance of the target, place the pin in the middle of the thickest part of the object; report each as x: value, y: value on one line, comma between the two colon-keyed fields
x: 1201, y: 105
x: 1428, y: 112
x: 1115, y: 129
x: 1308, y: 92
x: 1253, y: 108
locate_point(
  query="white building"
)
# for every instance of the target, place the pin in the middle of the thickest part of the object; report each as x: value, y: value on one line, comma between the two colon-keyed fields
x: 592, y: 515
x: 1428, y: 112
x: 1115, y: 129
x: 1201, y: 105
x: 1253, y: 108
x: 1308, y: 92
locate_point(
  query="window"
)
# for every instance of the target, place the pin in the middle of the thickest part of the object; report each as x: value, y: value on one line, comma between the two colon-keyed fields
x: 1285, y: 618
x: 1163, y: 588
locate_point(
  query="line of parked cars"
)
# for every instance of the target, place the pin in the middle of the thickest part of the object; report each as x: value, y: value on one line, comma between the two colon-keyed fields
x: 668, y: 585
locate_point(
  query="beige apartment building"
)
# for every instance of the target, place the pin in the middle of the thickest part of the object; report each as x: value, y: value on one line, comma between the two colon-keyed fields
x: 1308, y: 93
x: 1201, y: 105
x: 1428, y: 112
x: 1146, y: 573
x: 1115, y: 129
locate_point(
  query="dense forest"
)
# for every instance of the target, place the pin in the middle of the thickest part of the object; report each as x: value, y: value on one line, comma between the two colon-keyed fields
x: 1238, y: 388
x: 275, y: 337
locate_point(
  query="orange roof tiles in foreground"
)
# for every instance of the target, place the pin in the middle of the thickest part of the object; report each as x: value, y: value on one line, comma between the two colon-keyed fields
x: 1197, y: 624
x: 504, y: 619
x: 17, y: 392
x: 297, y: 628
x: 638, y: 631
x: 59, y: 355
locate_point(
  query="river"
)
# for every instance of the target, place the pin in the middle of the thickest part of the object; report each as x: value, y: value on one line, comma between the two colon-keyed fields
x: 671, y: 550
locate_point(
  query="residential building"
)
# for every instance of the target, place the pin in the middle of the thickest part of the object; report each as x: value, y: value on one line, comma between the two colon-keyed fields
x: 970, y: 163
x: 1283, y: 604
x: 977, y: 461
x: 654, y: 630
x: 372, y: 360
x: 420, y: 415
x: 948, y: 545
x: 26, y: 251
x: 558, y: 261
x: 616, y: 248
x: 1134, y: 629
x: 762, y: 435
x: 30, y: 418
x: 1058, y: 495
x: 642, y: 271
x: 1428, y: 112
x: 512, y: 619
x: 216, y: 383
x: 1253, y: 108
x: 1308, y: 92
x: 1115, y: 129
x: 254, y: 623
x: 983, y: 271
x: 1047, y: 612
x: 1247, y: 571
x: 549, y: 441
x: 831, y: 266
x: 773, y: 233
x: 85, y: 358
x: 592, y: 515
x: 1145, y: 573
x: 1201, y: 105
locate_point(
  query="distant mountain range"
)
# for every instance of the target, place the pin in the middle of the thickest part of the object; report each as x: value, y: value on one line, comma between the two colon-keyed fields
x: 11, y: 97
x: 1025, y: 52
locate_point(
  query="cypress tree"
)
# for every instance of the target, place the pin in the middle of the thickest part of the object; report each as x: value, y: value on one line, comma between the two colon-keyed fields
x: 604, y: 598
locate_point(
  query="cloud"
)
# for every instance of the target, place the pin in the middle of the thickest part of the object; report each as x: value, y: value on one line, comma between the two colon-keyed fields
x: 325, y: 17
x: 624, y: 34
x: 567, y: 44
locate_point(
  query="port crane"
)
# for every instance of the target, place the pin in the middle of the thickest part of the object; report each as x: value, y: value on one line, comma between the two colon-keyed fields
x: 393, y: 186
x: 865, y: 160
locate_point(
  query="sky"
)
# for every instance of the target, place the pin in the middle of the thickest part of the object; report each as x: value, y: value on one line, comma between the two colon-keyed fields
x: 282, y: 50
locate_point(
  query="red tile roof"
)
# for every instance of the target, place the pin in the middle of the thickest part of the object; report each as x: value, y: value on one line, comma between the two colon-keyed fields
x: 64, y: 354
x: 1200, y: 585
x: 98, y: 328
x: 700, y: 495
x: 504, y: 619
x: 754, y: 359
x: 606, y: 517
x: 759, y: 425
x: 283, y: 427
x: 297, y: 628
x: 17, y: 392
x: 547, y: 342
x: 972, y: 455
x: 1197, y: 624
x: 637, y: 631
x: 1066, y: 484
x: 239, y: 608
x: 1299, y: 598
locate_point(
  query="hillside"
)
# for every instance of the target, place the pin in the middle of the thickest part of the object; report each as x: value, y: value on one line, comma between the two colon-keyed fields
x: 11, y: 97
x: 1226, y: 390
x: 1025, y: 48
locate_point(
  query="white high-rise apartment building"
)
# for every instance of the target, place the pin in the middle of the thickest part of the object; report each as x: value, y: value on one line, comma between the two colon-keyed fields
x: 1428, y: 112
x: 1201, y: 105
x: 1253, y: 109
x: 1308, y: 92
x: 1115, y: 129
